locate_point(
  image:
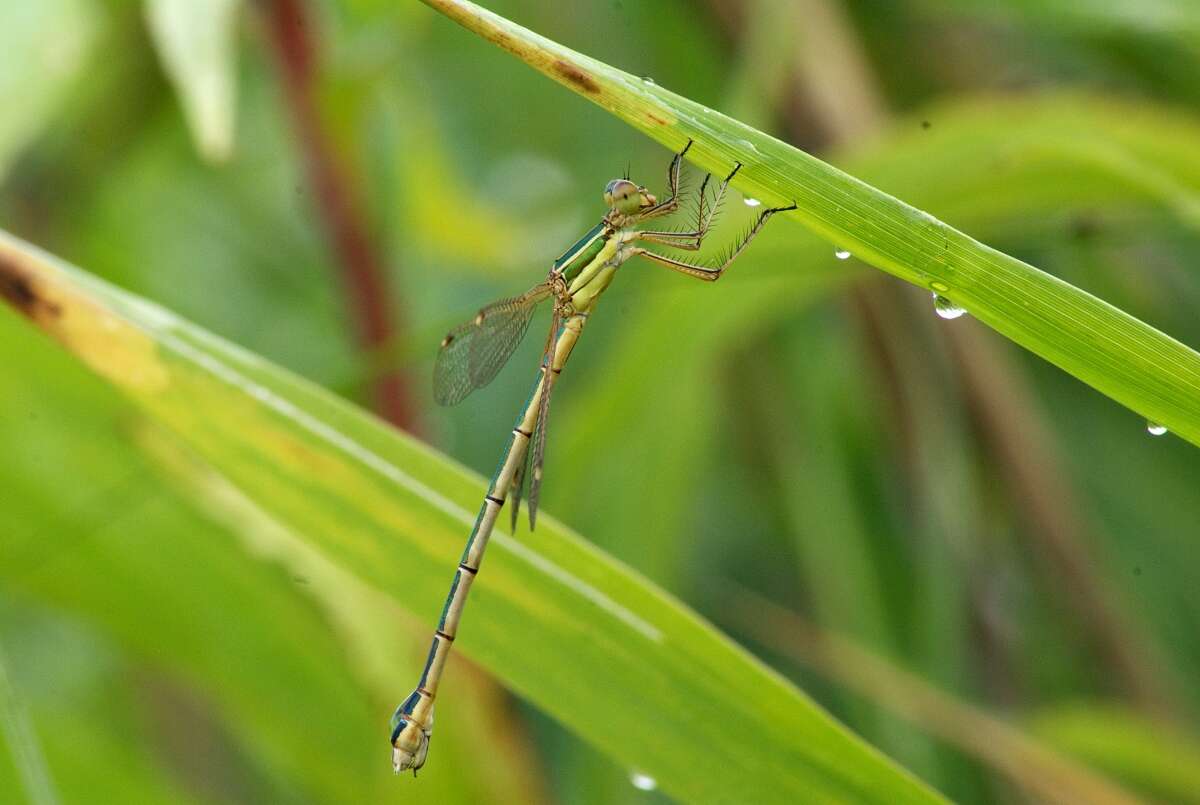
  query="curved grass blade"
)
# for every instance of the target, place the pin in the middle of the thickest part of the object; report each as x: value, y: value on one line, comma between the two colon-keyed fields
x: 1043, y: 774
x: 1120, y: 356
x: 628, y: 668
x: 196, y: 43
x: 121, y: 541
x: 1151, y: 756
x: 21, y: 740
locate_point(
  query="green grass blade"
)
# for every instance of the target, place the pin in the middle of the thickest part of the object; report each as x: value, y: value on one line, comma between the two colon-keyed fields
x: 195, y: 41
x: 1115, y: 353
x: 149, y: 576
x: 621, y: 663
x: 1150, y: 756
x: 18, y: 737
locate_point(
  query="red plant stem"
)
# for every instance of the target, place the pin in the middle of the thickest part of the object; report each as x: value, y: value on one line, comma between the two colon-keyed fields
x: 363, y: 274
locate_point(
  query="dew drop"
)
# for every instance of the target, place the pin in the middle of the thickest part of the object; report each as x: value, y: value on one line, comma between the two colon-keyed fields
x: 643, y: 782
x: 945, y: 308
x: 648, y: 80
x: 751, y: 202
x: 842, y: 254
x: 1155, y: 429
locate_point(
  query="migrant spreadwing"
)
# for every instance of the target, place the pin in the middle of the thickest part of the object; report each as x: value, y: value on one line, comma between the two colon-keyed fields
x: 472, y: 354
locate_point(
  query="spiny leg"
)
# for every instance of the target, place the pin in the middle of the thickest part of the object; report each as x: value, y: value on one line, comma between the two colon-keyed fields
x: 713, y: 273
x: 673, y: 170
x: 691, y: 240
x: 671, y: 203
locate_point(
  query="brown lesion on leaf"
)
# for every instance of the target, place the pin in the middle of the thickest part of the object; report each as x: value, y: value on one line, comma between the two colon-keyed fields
x: 18, y: 289
x: 577, y: 77
x: 114, y: 348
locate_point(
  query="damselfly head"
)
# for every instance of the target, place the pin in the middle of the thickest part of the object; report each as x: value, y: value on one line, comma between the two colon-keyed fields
x: 626, y: 197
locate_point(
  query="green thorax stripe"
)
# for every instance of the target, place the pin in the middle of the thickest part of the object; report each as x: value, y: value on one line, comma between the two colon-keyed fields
x: 582, y: 253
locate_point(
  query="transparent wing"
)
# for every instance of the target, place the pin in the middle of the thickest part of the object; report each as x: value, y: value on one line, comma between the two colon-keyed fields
x: 517, y: 490
x: 473, y: 353
x: 537, y: 447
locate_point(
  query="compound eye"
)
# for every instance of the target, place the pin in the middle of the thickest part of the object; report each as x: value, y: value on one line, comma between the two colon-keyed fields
x: 619, y: 190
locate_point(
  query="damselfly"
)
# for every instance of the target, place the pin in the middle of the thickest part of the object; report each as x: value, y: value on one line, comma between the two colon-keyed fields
x: 472, y: 354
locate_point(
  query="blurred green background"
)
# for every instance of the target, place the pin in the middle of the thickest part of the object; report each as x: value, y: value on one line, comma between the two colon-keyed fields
x: 351, y: 179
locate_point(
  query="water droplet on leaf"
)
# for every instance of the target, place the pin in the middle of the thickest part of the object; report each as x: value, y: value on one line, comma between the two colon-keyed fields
x: 643, y: 782
x: 945, y: 308
x: 751, y: 202
x: 1155, y: 429
x: 842, y: 254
